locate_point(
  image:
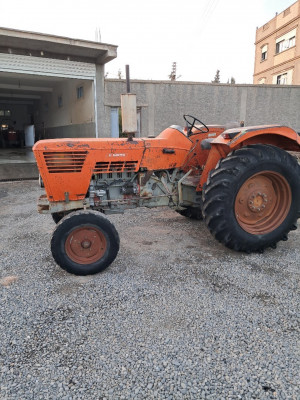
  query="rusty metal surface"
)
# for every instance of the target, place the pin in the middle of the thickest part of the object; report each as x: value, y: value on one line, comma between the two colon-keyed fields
x: 46, y: 207
x: 263, y: 202
x: 99, y: 156
x: 85, y: 245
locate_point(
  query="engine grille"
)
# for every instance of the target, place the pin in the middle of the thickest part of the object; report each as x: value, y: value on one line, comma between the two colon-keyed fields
x: 64, y: 162
x: 115, y: 166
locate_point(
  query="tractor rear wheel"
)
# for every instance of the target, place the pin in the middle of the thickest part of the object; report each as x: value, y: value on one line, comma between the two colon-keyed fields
x: 84, y: 242
x: 252, y: 198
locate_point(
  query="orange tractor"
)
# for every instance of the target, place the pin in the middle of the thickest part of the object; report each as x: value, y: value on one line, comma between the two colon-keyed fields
x: 243, y: 181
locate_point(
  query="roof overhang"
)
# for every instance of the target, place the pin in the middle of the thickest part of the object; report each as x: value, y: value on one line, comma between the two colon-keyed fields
x: 16, y: 40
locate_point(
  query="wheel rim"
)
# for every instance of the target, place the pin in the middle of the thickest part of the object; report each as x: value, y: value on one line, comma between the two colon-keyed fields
x: 263, y: 202
x: 85, y: 245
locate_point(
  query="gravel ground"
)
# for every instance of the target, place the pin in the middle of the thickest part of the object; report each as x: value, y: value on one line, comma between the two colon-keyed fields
x: 176, y: 316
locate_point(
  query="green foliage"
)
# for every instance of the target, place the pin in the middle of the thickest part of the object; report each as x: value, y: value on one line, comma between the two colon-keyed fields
x: 217, y: 77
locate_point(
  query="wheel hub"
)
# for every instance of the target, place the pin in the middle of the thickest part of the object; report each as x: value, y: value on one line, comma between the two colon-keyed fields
x: 257, y: 201
x: 263, y: 202
x: 85, y: 245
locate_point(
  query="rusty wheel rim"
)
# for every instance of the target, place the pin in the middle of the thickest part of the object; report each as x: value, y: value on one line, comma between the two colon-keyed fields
x: 263, y: 202
x: 85, y: 245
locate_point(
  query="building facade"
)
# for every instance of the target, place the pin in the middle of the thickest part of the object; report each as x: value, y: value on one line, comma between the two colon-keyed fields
x: 277, y: 49
x: 52, y: 85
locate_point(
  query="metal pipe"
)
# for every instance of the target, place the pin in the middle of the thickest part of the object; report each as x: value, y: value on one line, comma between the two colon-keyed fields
x: 127, y: 79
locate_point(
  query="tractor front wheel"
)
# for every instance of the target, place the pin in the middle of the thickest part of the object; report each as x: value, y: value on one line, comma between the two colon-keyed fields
x: 57, y: 216
x: 252, y: 198
x: 84, y: 242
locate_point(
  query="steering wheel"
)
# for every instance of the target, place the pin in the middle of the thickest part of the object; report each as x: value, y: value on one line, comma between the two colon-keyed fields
x: 191, y: 121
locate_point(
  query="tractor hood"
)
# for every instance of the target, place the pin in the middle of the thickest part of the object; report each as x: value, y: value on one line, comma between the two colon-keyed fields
x: 72, y: 162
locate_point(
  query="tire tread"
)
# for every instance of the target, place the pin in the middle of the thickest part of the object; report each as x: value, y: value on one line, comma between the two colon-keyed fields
x: 218, y: 198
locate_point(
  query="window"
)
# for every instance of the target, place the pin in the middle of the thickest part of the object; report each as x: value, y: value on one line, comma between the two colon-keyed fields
x: 5, y: 113
x: 292, y: 41
x: 80, y: 92
x: 285, y: 44
x: 264, y: 52
x: 282, y: 79
x: 279, y: 46
x: 262, y: 81
x: 286, y: 41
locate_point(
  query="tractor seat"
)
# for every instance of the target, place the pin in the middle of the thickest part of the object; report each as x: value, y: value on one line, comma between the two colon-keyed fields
x: 206, y: 143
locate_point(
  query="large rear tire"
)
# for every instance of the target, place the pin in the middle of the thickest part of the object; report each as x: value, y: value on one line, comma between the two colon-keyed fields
x: 84, y: 242
x: 252, y: 198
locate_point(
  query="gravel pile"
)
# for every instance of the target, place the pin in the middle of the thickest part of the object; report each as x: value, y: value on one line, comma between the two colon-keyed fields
x: 176, y: 316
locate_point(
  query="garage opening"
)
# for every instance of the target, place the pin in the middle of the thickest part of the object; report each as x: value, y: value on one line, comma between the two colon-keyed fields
x: 50, y: 87
x: 40, y: 107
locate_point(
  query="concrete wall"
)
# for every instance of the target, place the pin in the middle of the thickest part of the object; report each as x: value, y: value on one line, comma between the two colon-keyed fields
x: 67, y: 131
x: 163, y: 103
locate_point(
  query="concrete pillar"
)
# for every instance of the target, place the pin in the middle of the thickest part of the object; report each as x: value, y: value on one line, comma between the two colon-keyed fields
x: 99, y: 103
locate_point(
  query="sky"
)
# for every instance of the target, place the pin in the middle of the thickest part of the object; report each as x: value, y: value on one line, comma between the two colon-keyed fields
x: 201, y: 36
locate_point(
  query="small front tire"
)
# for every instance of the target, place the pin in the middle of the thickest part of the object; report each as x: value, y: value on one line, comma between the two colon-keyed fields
x: 57, y: 216
x: 84, y: 243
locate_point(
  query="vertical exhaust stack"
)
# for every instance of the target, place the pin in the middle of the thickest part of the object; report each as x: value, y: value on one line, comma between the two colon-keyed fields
x: 128, y: 107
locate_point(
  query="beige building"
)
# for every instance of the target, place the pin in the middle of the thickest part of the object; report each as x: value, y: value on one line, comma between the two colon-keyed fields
x: 277, y: 49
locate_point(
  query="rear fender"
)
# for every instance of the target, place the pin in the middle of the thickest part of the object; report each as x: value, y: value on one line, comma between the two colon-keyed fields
x: 232, y: 139
x: 277, y: 135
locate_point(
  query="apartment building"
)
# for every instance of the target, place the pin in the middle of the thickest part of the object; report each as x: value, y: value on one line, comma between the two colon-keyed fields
x: 277, y: 49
